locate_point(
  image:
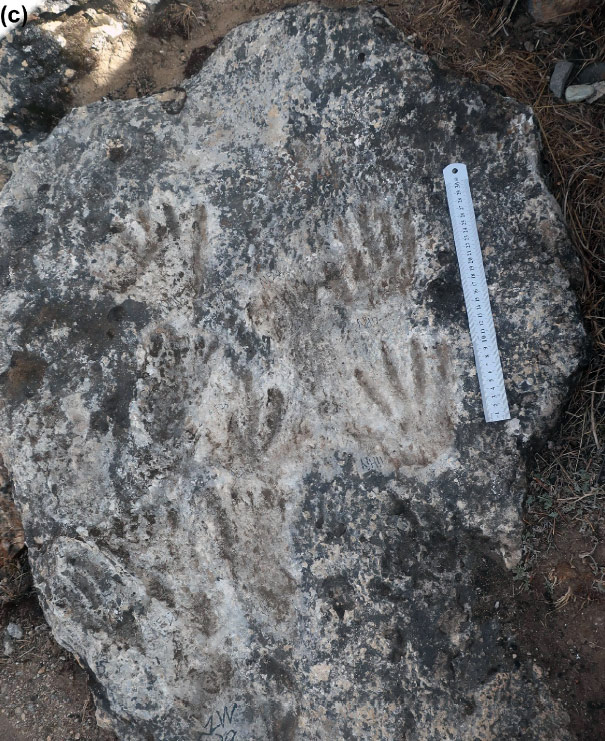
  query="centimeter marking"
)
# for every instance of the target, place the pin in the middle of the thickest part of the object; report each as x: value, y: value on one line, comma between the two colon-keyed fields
x: 476, y: 296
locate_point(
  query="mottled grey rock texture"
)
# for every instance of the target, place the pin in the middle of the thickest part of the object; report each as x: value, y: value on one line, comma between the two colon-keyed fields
x: 239, y: 399
x: 33, y: 92
x: 560, y: 76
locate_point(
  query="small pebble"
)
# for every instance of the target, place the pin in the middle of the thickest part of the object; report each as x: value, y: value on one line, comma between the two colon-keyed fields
x: 560, y: 76
x: 599, y: 92
x: 578, y: 93
x: 7, y: 646
x: 14, y: 631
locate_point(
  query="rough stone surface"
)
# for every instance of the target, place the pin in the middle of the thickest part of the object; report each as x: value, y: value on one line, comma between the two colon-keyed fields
x: 8, y: 648
x: 33, y: 92
x: 239, y: 399
x: 599, y: 92
x: 14, y: 631
x: 578, y: 93
x: 560, y: 75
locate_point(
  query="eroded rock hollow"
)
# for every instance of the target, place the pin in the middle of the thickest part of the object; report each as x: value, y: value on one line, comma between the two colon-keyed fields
x: 239, y: 403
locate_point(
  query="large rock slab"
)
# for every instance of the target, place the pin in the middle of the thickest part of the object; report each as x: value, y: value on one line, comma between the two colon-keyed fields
x: 239, y: 400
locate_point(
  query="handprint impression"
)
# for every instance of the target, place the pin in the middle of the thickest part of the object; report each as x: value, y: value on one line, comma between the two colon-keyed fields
x: 344, y: 322
x: 379, y: 255
x: 404, y: 375
x: 407, y: 407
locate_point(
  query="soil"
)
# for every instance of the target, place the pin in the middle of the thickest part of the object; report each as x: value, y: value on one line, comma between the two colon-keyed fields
x: 562, y: 619
x: 44, y: 694
x: 557, y: 617
x: 553, y: 610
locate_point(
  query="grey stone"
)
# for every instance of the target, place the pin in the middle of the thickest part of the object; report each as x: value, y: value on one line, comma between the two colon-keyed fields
x: 591, y: 74
x: 560, y: 77
x: 14, y: 631
x: 8, y: 647
x: 578, y: 93
x: 599, y: 92
x: 57, y: 7
x: 239, y: 399
x: 33, y: 96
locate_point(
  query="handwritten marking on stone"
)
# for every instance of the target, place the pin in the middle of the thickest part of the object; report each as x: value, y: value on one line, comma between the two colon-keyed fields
x: 268, y: 279
x: 372, y: 463
x: 218, y: 724
x: 239, y: 473
x: 368, y: 322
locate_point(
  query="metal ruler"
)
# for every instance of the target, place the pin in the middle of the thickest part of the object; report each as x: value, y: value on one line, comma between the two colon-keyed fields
x: 476, y: 296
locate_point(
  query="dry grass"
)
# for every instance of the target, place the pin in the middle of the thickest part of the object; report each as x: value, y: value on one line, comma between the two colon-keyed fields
x: 177, y: 18
x: 15, y: 579
x: 568, y: 483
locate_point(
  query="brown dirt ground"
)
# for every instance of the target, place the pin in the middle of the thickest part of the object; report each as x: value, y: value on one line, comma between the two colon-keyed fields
x: 553, y: 606
x: 44, y: 694
x: 558, y: 621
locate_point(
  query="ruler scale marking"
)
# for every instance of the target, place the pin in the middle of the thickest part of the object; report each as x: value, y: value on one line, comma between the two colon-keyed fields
x: 476, y: 295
